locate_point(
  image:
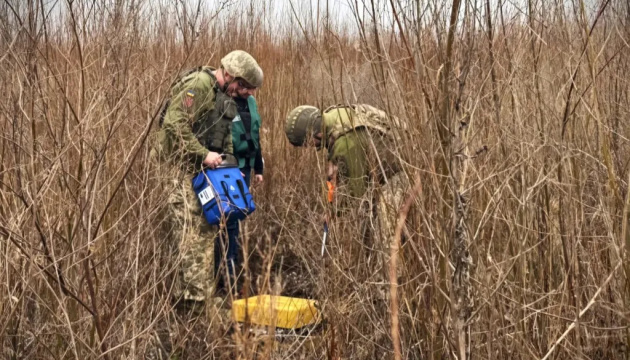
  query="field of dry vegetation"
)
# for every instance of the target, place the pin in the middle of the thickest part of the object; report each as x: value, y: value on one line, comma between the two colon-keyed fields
x: 514, y: 245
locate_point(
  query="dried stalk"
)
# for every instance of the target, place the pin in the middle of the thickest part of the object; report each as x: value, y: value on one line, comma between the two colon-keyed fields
x: 393, y: 265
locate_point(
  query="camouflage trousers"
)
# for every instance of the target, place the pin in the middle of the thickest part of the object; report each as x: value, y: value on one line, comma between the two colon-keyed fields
x: 193, y: 239
x: 379, y: 212
x: 390, y: 200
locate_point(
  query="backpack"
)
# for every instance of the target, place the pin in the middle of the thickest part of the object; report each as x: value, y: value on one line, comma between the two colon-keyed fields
x: 367, y: 116
x: 223, y: 194
x: 379, y: 118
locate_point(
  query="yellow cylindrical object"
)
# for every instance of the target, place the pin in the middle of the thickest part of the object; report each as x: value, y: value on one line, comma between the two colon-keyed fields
x: 280, y: 311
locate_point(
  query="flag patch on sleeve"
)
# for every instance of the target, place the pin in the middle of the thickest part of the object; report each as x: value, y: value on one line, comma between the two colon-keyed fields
x: 189, y: 98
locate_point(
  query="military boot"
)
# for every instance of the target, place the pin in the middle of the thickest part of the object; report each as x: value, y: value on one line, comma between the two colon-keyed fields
x: 188, y: 309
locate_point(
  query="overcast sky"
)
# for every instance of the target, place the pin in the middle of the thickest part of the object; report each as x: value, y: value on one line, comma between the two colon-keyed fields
x: 280, y: 15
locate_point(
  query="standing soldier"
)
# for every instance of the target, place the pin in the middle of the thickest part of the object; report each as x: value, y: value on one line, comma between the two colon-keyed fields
x: 197, y: 131
x: 362, y: 156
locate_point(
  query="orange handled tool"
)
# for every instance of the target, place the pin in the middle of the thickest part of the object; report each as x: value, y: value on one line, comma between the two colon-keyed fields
x: 331, y: 193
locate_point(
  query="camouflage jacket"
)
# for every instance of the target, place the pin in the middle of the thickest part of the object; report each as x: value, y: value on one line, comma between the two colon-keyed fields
x: 198, y: 119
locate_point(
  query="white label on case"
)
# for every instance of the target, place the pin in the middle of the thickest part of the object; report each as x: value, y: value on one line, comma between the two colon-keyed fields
x: 205, y: 195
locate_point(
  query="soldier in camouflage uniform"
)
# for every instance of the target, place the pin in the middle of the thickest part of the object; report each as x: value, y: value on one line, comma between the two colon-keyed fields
x: 362, y: 157
x: 196, y: 132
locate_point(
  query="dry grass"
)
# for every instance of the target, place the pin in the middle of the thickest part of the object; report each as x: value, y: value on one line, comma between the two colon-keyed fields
x: 523, y: 123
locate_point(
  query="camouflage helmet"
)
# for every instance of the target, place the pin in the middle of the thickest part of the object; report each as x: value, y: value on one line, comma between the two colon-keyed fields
x: 240, y: 64
x: 302, y: 121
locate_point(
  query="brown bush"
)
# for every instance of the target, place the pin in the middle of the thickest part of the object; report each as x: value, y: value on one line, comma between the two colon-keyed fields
x: 520, y: 128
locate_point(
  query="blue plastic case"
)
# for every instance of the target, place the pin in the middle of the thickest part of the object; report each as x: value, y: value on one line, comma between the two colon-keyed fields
x: 223, y: 194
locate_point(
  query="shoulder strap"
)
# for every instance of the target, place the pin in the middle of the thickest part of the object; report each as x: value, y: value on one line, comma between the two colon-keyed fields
x: 183, y: 75
x: 332, y: 107
x: 208, y: 70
